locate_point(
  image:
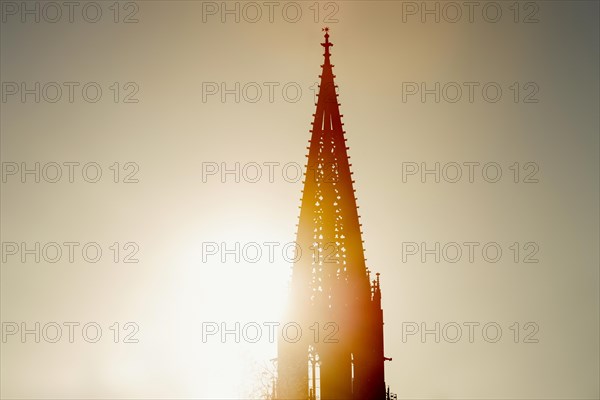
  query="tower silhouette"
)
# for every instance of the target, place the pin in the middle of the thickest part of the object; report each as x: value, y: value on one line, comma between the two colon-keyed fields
x: 331, y: 345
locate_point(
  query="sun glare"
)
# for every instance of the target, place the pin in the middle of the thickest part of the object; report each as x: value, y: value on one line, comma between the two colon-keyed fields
x: 235, y: 326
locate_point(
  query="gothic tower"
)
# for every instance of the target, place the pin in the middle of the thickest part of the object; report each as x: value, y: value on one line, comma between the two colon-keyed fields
x: 331, y: 344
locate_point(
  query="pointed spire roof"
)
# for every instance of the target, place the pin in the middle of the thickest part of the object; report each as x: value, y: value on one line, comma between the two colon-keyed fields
x: 329, y: 232
x: 330, y: 281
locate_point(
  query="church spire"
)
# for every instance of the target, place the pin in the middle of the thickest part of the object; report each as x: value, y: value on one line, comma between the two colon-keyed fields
x: 329, y: 220
x: 330, y: 284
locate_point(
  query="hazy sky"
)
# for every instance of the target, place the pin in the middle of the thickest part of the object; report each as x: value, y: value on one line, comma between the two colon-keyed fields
x: 518, y: 94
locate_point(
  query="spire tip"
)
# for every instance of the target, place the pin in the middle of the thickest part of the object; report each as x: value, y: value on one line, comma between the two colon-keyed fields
x: 327, y: 44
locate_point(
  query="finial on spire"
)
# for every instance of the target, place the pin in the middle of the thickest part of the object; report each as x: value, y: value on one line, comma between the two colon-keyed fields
x: 327, y: 44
